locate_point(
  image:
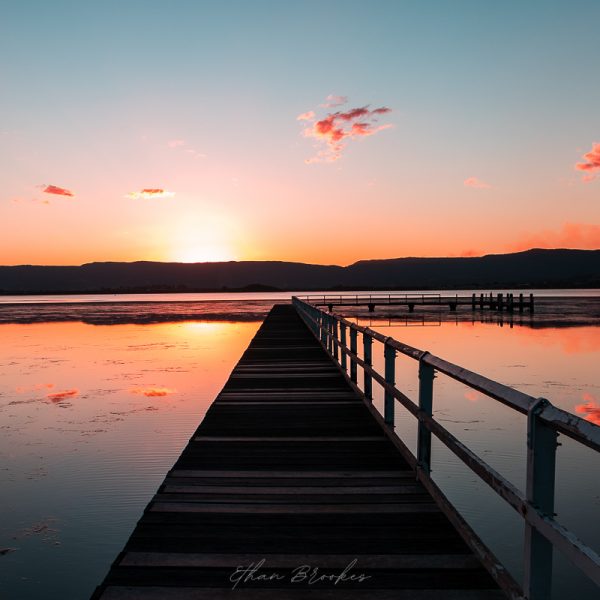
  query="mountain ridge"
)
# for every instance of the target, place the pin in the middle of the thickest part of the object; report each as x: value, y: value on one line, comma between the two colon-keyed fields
x: 536, y: 267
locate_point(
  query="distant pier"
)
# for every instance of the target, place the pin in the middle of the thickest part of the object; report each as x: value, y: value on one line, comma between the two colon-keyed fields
x: 498, y: 302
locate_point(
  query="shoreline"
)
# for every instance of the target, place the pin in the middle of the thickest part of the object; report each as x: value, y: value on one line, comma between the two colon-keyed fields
x: 550, y: 311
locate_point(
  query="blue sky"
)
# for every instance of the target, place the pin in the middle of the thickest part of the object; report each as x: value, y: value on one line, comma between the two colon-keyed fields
x: 201, y: 98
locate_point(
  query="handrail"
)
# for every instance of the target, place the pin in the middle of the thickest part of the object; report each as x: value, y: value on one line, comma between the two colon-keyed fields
x: 545, y: 421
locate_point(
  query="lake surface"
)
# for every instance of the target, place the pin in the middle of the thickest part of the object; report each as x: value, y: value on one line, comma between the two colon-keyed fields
x: 271, y: 296
x: 92, y: 416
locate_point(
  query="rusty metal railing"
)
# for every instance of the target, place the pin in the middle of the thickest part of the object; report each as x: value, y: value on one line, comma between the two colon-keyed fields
x: 544, y: 422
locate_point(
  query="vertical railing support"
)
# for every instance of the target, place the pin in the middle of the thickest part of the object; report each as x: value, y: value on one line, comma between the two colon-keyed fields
x: 353, y: 349
x: 426, y: 376
x: 541, y: 469
x: 330, y: 334
x: 323, y: 326
x: 368, y: 358
x: 343, y: 342
x: 334, y: 337
x: 389, y: 355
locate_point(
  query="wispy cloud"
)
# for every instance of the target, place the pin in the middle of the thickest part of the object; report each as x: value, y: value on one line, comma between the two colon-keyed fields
x: 332, y: 101
x: 334, y: 130
x: 309, y: 115
x: 570, y: 235
x: 474, y: 182
x: 58, y: 396
x: 591, y: 163
x: 148, y: 193
x: 56, y: 190
x: 182, y: 145
x: 152, y: 392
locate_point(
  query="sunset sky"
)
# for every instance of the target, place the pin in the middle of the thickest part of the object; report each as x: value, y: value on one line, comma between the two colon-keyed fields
x: 323, y: 132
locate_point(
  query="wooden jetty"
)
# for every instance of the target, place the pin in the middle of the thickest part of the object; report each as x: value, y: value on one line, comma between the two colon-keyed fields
x: 498, y: 302
x: 295, y: 487
x: 291, y: 467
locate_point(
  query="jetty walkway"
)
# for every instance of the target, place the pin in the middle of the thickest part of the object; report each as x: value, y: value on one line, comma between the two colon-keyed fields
x: 295, y: 487
x: 290, y: 467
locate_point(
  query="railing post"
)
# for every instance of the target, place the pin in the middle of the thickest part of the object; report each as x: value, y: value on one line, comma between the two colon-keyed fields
x: 426, y: 376
x: 368, y: 358
x: 323, y: 326
x: 330, y: 334
x: 389, y: 355
x: 541, y: 469
x: 334, y: 337
x: 353, y: 349
x: 343, y: 341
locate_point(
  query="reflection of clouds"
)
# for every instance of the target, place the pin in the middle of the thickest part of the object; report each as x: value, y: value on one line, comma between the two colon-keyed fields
x: 152, y: 391
x: 590, y: 409
x: 573, y: 340
x: 472, y: 395
x: 34, y: 388
x: 59, y: 396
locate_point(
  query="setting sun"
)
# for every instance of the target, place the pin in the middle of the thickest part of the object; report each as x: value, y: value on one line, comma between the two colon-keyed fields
x: 212, y: 238
x: 203, y: 253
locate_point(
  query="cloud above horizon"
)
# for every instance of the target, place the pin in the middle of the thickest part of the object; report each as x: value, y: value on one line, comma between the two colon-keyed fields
x: 474, y: 182
x: 56, y: 190
x: 592, y: 163
x: 148, y: 193
x: 333, y: 132
x: 183, y: 146
x: 585, y: 236
x: 332, y: 101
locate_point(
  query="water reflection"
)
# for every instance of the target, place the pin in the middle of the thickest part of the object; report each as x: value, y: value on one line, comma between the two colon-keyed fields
x: 590, y: 410
x: 556, y: 363
x: 91, y: 418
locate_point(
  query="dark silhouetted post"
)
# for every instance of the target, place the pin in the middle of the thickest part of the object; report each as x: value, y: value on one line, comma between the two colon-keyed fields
x: 389, y: 354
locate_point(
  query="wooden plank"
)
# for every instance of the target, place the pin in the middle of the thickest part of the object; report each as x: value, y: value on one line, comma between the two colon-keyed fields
x: 380, y: 561
x: 193, y: 593
x: 296, y: 509
x: 251, y: 490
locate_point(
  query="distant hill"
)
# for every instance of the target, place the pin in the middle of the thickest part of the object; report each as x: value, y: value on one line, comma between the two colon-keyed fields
x: 532, y: 268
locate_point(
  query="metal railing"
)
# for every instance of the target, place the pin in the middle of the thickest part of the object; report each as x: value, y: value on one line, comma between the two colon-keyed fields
x: 544, y: 422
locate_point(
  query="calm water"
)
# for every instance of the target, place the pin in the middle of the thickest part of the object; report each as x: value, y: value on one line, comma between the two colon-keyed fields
x: 92, y: 417
x: 273, y: 296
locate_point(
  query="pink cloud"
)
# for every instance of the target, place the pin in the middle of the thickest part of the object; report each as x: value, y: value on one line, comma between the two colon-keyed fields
x: 54, y: 189
x: 570, y: 235
x: 592, y: 163
x: 152, y: 392
x: 332, y: 101
x: 175, y: 143
x: 336, y: 129
x: 309, y: 115
x: 474, y: 182
x: 147, y: 193
x: 59, y: 396
x: 590, y: 409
